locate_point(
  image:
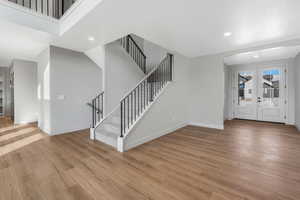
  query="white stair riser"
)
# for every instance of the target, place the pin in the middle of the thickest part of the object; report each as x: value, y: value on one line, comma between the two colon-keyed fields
x: 107, y: 140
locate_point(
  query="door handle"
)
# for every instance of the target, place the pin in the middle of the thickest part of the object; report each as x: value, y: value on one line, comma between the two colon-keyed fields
x: 258, y: 99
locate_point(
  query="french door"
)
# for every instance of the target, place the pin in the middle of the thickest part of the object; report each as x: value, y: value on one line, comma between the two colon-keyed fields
x: 260, y: 94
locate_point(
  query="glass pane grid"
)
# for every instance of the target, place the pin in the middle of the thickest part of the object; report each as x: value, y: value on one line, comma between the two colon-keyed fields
x: 246, y: 86
x: 270, y: 84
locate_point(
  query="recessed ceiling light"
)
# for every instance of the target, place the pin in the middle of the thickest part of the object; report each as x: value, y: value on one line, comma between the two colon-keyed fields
x: 227, y: 34
x: 91, y: 38
x: 256, y: 56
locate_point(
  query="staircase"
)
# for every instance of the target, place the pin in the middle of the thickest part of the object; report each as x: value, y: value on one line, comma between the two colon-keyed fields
x: 115, y: 126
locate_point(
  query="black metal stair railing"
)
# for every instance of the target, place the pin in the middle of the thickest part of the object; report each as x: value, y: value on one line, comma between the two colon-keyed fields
x: 137, y: 100
x: 51, y: 8
x: 97, y: 109
x: 133, y: 49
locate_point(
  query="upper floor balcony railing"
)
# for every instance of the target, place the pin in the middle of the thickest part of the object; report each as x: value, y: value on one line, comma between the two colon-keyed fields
x: 52, y: 8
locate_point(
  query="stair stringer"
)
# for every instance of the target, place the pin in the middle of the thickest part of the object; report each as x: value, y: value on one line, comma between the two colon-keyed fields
x: 122, y: 140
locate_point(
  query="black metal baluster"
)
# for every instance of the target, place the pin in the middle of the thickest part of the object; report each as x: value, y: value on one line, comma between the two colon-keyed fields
x: 53, y: 15
x: 98, y: 108
x: 127, y: 112
x: 165, y: 76
x: 134, y: 104
x: 171, y: 66
x: 158, y: 73
x: 155, y: 80
x: 147, y: 88
x: 144, y: 95
x: 102, y: 102
x: 42, y: 6
x: 141, y: 93
x: 94, y: 113
x: 131, y: 108
x: 47, y: 7
x: 144, y: 65
x: 138, y: 105
x: 93, y: 126
x: 122, y: 118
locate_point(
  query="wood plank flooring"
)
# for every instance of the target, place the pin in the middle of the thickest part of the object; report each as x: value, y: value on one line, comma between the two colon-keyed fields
x: 248, y: 160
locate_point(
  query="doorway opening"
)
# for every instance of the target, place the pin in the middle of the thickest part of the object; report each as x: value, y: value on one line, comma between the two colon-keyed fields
x: 259, y: 85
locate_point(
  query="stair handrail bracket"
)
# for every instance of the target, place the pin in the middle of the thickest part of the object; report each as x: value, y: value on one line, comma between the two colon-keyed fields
x: 135, y: 102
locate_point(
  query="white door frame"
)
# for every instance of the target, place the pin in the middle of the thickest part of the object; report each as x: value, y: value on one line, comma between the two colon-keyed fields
x: 233, y: 84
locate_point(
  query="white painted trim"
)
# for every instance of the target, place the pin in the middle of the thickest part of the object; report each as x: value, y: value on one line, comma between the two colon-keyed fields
x: 120, y: 144
x: 298, y: 128
x: 153, y: 136
x: 27, y: 17
x: 290, y: 124
x: 76, y: 12
x: 71, y: 9
x: 214, y: 126
x: 282, y: 64
x: 92, y: 134
x: 19, y: 14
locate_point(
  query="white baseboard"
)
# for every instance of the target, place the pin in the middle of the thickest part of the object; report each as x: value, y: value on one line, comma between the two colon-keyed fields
x: 214, y: 126
x: 148, y: 138
x: 298, y: 127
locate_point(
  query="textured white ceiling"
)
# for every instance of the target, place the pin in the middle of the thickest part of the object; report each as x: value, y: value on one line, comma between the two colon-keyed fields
x: 192, y: 28
x: 20, y: 42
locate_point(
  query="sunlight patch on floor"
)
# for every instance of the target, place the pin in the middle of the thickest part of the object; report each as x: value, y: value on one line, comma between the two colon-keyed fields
x: 20, y: 143
x: 9, y: 128
x: 17, y: 133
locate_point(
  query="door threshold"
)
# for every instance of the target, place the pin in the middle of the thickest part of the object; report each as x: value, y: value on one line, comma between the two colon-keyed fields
x: 259, y: 121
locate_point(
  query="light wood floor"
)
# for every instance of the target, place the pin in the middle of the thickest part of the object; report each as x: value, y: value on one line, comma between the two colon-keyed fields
x: 248, y: 160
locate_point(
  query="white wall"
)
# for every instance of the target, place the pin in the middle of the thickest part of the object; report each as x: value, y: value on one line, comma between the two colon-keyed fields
x: 289, y: 63
x: 7, y: 94
x: 68, y: 81
x: 227, y: 96
x: 206, y: 91
x: 97, y: 55
x: 196, y: 96
x: 44, y: 120
x: 169, y: 112
x: 297, y: 91
x: 121, y: 75
x: 138, y: 40
x: 154, y: 53
x: 74, y: 81
x: 25, y: 91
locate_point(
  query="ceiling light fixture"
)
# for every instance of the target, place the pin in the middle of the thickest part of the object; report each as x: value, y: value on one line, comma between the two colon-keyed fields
x: 91, y: 38
x: 227, y: 34
x: 256, y: 56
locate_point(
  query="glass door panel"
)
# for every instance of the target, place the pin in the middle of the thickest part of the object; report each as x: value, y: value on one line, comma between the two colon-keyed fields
x: 245, y: 106
x: 271, y: 95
